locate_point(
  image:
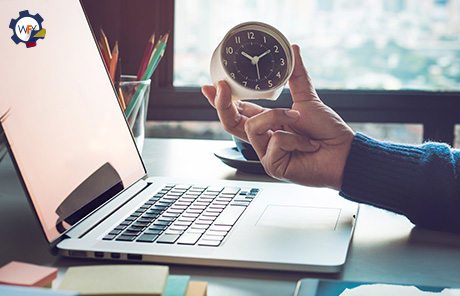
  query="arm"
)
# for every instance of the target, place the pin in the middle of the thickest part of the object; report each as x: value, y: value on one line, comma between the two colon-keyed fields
x: 420, y: 182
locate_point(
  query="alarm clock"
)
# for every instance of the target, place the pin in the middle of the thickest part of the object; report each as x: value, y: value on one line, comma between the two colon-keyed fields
x: 255, y: 59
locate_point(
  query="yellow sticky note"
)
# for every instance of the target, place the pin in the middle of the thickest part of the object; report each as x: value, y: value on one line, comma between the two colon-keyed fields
x: 116, y: 280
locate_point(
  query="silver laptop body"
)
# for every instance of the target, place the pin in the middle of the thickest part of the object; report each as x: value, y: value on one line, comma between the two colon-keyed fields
x: 84, y: 177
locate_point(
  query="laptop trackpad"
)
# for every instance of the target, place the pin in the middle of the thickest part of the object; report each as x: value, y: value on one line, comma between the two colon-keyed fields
x: 293, y: 217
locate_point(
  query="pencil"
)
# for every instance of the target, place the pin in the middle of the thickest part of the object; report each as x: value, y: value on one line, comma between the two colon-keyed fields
x: 156, y: 57
x: 114, y: 61
x: 141, y: 73
x: 146, y: 57
x: 157, y: 54
x: 106, y: 47
x: 99, y: 43
x: 121, y: 98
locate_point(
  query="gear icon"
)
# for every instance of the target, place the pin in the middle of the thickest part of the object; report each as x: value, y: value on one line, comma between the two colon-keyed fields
x: 27, y: 28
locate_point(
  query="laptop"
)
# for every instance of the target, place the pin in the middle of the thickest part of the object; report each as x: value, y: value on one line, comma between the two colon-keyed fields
x: 87, y: 184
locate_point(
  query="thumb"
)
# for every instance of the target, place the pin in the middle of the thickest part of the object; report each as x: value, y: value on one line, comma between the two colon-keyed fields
x: 300, y: 83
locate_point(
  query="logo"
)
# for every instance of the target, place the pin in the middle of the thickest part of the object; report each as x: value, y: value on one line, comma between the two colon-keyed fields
x: 27, y: 28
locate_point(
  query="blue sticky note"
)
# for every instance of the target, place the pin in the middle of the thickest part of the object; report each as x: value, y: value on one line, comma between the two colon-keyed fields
x: 176, y: 285
x: 6, y: 290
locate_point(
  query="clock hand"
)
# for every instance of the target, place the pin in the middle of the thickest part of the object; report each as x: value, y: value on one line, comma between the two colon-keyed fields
x: 264, y: 54
x: 256, y: 59
x: 248, y: 56
x: 257, y: 67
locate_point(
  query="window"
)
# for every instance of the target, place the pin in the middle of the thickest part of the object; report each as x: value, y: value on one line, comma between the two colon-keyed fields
x: 346, y: 44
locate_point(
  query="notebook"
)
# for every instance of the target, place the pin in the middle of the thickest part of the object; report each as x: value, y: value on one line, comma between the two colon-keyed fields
x: 88, y: 186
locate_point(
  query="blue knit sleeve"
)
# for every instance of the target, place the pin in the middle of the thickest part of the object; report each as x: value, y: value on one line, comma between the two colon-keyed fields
x: 420, y: 182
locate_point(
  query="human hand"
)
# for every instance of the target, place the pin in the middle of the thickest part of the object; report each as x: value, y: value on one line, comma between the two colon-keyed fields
x: 308, y: 144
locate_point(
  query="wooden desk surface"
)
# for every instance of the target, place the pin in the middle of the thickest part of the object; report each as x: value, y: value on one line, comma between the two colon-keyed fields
x: 385, y: 248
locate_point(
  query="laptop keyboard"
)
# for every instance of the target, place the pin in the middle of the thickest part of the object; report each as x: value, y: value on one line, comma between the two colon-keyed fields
x: 185, y: 215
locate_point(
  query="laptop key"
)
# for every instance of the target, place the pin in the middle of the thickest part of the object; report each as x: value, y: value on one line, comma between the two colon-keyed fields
x: 217, y: 233
x: 147, y: 238
x: 125, y: 238
x: 214, y: 189
x: 209, y: 243
x: 210, y: 236
x: 183, y: 223
x: 189, y: 238
x: 181, y: 187
x: 109, y: 237
x: 153, y: 231
x: 168, y: 238
x: 240, y: 204
x: 220, y: 228
x: 229, y: 216
x: 231, y: 190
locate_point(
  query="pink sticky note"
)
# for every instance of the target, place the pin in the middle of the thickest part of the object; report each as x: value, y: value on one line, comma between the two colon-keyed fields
x: 26, y: 274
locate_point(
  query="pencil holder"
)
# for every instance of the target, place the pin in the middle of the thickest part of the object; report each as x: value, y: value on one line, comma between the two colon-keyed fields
x: 134, y: 98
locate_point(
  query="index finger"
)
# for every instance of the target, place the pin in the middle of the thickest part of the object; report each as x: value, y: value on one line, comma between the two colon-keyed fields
x: 232, y: 114
x: 261, y: 127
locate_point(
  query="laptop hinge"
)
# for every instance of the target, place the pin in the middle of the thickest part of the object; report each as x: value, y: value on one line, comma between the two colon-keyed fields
x: 100, y: 214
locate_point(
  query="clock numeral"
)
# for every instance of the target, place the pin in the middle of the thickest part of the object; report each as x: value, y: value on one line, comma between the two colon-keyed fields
x: 277, y: 50
x: 237, y: 39
x: 233, y: 75
x: 257, y: 87
x: 245, y: 83
x: 282, y: 62
x: 225, y: 63
x: 278, y: 74
x: 270, y: 84
x: 251, y: 35
x: 229, y: 50
x: 265, y: 39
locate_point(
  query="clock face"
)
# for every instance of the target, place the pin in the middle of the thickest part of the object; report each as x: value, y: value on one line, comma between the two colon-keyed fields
x: 255, y: 59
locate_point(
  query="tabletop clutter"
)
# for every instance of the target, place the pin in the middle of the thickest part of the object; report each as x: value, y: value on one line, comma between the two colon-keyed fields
x: 20, y: 278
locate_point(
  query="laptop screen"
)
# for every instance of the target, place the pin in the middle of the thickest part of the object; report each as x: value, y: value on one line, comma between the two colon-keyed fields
x: 60, y: 114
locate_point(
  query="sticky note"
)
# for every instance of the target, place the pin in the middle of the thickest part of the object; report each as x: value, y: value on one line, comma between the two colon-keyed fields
x: 26, y: 274
x: 31, y: 291
x: 116, y: 279
x: 176, y: 285
x: 197, y: 289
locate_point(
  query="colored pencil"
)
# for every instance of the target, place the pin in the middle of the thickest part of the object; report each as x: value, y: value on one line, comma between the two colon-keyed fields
x: 156, y: 57
x: 114, y: 61
x: 121, y: 98
x: 106, y: 47
x: 146, y: 57
x: 99, y: 43
x: 157, y: 54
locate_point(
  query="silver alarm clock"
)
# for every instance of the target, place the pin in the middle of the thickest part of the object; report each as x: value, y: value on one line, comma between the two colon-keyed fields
x: 255, y: 59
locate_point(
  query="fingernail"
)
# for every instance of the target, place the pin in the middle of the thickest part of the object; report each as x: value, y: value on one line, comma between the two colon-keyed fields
x: 292, y: 113
x: 315, y: 144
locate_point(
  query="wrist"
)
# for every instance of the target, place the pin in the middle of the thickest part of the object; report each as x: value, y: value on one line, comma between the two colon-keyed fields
x: 343, y: 158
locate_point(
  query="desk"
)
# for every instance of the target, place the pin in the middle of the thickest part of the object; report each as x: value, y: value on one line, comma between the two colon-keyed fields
x: 386, y: 247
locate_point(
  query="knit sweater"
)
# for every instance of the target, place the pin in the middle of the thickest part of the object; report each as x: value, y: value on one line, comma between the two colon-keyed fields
x: 420, y: 182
